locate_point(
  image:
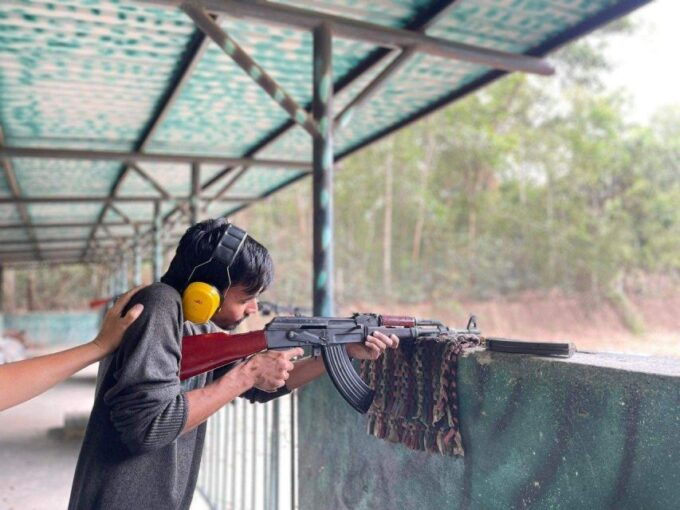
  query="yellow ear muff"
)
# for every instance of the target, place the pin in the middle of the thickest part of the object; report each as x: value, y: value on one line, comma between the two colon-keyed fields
x: 200, y: 301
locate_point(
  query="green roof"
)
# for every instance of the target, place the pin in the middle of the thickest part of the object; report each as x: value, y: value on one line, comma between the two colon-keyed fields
x: 123, y: 75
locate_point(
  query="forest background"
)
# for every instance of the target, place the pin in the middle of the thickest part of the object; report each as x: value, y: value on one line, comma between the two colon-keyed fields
x: 538, y: 204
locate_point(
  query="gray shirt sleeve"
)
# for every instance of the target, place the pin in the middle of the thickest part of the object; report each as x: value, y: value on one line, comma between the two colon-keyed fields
x: 253, y: 394
x: 147, y: 407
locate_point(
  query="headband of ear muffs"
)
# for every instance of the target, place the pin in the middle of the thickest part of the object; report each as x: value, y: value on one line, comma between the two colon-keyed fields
x: 201, y: 300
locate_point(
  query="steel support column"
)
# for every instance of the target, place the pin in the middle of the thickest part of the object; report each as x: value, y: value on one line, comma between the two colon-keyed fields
x: 123, y: 275
x: 157, y: 251
x: 137, y: 255
x: 322, y: 109
x: 195, y: 198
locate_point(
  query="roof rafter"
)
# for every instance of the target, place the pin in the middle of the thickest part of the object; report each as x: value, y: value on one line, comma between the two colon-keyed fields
x: 15, y: 190
x: 307, y: 19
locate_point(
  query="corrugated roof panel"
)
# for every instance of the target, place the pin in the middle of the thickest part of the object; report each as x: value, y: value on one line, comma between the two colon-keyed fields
x: 12, y: 234
x: 172, y: 177
x: 64, y: 232
x: 383, y: 12
x: 221, y: 110
x: 4, y: 186
x: 9, y: 214
x: 136, y: 210
x: 89, y: 74
x: 258, y: 180
x: 63, y: 212
x: 52, y: 177
x: 512, y: 26
x: 16, y: 246
x: 116, y: 230
x: 83, y: 70
x: 216, y: 209
x: 66, y: 245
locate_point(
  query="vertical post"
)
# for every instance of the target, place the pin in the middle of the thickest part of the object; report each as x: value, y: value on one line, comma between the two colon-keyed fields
x: 157, y: 242
x: 112, y: 282
x: 137, y: 254
x: 195, y: 197
x: 244, y: 456
x: 123, y: 281
x: 273, y: 489
x: 293, y: 452
x: 322, y: 109
x: 8, y: 290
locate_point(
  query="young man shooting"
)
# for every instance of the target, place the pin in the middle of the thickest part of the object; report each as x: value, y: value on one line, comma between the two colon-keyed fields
x: 143, y: 444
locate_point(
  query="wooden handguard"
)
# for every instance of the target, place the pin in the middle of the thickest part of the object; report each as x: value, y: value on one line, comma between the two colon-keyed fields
x: 398, y: 320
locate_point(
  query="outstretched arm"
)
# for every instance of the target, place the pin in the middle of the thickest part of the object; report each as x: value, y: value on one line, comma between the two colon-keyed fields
x: 23, y: 380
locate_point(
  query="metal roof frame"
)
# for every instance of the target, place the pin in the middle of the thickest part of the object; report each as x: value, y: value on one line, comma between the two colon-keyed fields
x: 396, y: 47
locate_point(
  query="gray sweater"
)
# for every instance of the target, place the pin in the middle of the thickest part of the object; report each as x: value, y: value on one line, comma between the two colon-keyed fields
x: 132, y: 455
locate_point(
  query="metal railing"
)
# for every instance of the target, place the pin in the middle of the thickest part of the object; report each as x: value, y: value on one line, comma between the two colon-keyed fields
x: 250, y: 456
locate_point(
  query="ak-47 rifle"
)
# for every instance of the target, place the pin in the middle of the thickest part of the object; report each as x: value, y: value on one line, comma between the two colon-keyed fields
x: 325, y: 335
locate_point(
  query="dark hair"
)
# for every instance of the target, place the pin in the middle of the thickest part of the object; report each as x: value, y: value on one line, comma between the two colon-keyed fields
x: 253, y: 267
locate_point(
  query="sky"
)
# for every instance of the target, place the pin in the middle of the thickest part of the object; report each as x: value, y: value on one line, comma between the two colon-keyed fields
x: 646, y: 64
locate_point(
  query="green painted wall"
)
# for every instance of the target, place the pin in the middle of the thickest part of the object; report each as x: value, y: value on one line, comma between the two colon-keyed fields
x: 54, y: 328
x: 595, y: 431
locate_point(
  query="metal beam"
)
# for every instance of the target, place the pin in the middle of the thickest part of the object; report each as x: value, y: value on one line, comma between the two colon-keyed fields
x: 104, y: 198
x: 83, y: 224
x: 15, y: 191
x: 229, y: 46
x: 438, y: 11
x: 53, y: 240
x: 195, y: 197
x: 421, y: 22
x: 389, y: 37
x: 153, y: 182
x: 132, y: 157
x: 157, y: 250
x: 57, y: 261
x: 342, y: 119
x: 120, y: 213
x: 322, y: 107
x: 48, y: 251
x: 137, y: 260
x: 230, y: 184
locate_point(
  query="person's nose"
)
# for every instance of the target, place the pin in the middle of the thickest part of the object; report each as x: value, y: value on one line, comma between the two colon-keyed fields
x: 251, y: 307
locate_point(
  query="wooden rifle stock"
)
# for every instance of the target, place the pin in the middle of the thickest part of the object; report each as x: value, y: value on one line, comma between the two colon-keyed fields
x: 202, y: 353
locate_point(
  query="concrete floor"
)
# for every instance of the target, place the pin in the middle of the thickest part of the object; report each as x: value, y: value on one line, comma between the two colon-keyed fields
x: 36, y: 470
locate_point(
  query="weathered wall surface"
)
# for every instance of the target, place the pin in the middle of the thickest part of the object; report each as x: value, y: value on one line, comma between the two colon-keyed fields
x: 595, y: 431
x: 54, y: 328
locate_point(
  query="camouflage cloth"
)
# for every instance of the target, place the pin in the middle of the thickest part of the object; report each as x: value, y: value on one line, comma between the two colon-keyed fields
x: 416, y: 400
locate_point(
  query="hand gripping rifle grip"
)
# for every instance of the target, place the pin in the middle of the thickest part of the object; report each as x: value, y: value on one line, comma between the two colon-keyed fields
x: 345, y: 379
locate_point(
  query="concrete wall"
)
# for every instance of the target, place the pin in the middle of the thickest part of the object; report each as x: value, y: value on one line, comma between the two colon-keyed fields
x: 595, y: 431
x: 53, y: 328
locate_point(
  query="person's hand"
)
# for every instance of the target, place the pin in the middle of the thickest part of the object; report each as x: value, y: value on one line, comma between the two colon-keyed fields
x: 271, y: 369
x: 375, y: 345
x: 114, y: 326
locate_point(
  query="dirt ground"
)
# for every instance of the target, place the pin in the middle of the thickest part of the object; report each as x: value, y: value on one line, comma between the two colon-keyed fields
x: 591, y: 325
